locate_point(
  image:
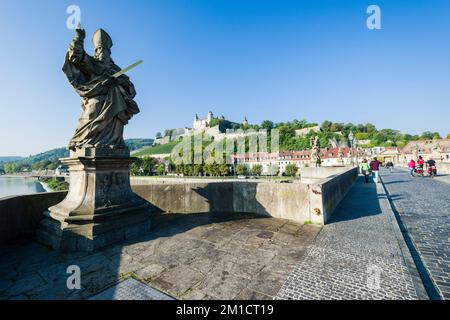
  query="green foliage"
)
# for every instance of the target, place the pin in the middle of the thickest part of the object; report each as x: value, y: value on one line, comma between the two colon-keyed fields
x: 224, y: 169
x: 267, y: 124
x: 428, y: 135
x: 224, y: 124
x: 9, y: 159
x: 134, y: 144
x: 290, y: 170
x: 340, y: 132
x: 49, y: 160
x: 42, y: 165
x: 159, y: 149
x: 362, y: 135
x: 57, y: 185
x: 241, y: 169
x: 143, y: 166
x: 161, y: 169
x: 9, y: 168
x: 257, y: 170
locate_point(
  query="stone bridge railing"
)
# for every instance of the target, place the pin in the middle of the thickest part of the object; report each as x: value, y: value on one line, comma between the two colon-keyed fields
x: 313, y: 201
x: 300, y: 202
x: 20, y: 215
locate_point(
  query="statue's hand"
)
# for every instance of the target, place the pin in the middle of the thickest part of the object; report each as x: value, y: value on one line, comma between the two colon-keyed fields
x: 80, y: 34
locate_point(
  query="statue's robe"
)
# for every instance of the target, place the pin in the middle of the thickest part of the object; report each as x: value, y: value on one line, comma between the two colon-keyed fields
x: 105, y: 108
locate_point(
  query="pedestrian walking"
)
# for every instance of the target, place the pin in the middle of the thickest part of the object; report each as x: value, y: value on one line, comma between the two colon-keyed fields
x: 412, y: 167
x: 375, y: 167
x: 365, y: 170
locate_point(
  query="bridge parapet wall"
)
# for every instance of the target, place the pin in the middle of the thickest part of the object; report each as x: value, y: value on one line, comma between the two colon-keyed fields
x: 299, y: 202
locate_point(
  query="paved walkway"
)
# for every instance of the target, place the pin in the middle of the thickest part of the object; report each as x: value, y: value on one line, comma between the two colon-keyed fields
x: 188, y: 256
x: 360, y: 254
x: 423, y: 205
x: 443, y: 178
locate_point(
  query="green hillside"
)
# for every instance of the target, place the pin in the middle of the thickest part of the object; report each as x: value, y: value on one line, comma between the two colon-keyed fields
x: 9, y: 159
x: 134, y: 144
x: 50, y: 159
x: 160, y: 149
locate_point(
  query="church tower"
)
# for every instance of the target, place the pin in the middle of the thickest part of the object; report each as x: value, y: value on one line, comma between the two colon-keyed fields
x: 209, y: 116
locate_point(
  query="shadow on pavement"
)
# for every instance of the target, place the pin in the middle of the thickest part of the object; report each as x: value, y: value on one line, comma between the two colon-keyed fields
x: 361, y: 201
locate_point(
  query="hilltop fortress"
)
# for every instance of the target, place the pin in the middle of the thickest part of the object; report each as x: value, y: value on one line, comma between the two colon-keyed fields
x: 215, y: 127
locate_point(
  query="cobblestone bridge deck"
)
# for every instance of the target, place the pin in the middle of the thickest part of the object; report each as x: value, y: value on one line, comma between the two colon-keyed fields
x: 423, y: 206
x: 360, y: 254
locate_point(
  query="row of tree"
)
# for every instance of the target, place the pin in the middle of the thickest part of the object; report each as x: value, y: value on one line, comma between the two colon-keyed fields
x: 148, y: 166
x: 340, y: 132
x: 14, y: 167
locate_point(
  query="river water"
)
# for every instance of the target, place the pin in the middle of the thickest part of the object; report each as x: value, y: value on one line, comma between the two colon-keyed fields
x: 11, y: 186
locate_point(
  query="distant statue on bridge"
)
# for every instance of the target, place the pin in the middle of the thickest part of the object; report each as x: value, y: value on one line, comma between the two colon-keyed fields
x: 107, y: 99
x: 415, y: 152
x: 316, y: 160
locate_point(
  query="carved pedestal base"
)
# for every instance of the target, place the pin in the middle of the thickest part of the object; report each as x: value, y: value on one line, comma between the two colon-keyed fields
x: 99, y: 209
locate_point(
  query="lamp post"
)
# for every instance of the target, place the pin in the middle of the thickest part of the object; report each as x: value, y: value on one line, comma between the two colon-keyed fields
x: 351, y: 141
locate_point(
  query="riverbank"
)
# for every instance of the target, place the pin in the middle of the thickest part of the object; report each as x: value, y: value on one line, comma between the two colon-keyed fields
x: 45, y: 186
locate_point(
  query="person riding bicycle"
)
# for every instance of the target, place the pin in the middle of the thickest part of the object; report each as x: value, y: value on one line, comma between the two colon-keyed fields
x: 431, y: 167
x: 390, y: 166
x: 431, y: 163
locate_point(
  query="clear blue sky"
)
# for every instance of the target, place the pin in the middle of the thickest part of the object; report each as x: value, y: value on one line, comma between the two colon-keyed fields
x: 277, y: 60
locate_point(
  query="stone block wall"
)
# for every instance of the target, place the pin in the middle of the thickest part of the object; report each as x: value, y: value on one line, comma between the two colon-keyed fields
x: 300, y: 202
x: 20, y: 215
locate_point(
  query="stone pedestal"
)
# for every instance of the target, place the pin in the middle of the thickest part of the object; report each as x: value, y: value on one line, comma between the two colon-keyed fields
x: 100, y: 207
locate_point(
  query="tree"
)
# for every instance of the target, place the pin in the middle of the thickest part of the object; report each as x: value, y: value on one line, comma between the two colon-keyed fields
x: 135, y: 167
x: 448, y: 136
x: 148, y: 165
x: 428, y: 135
x: 143, y: 166
x: 241, y: 169
x: 179, y: 168
x: 224, y: 169
x: 362, y: 136
x: 325, y: 127
x: 10, y: 168
x: 257, y: 170
x: 158, y: 135
x: 197, y: 169
x: 160, y: 169
x: 267, y: 124
x: 291, y: 170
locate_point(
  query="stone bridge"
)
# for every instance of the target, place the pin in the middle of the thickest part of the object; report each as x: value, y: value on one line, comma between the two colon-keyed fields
x: 246, y: 240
